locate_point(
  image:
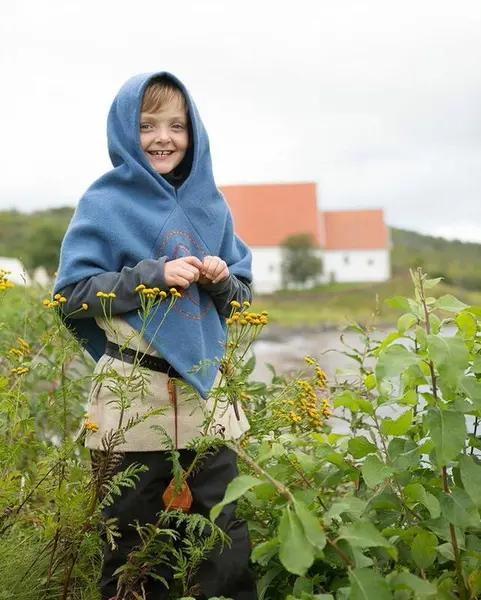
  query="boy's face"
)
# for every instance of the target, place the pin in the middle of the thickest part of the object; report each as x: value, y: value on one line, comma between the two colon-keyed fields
x: 164, y: 136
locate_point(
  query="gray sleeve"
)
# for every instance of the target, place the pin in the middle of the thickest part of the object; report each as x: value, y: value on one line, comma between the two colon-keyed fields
x: 224, y: 292
x: 149, y: 272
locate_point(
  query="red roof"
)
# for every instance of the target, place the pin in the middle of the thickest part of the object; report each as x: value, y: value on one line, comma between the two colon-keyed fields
x: 265, y: 215
x: 355, y: 230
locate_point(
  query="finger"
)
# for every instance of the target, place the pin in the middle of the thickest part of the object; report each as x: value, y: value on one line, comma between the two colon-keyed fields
x: 223, y: 275
x: 194, y: 271
x: 193, y: 260
x: 181, y: 282
x: 219, y: 267
x: 208, y: 265
x: 188, y: 274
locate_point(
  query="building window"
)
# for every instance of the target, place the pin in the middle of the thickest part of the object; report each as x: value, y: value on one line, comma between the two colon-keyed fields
x: 346, y: 259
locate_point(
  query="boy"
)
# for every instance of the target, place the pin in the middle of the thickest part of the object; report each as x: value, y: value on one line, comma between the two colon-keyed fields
x: 157, y: 219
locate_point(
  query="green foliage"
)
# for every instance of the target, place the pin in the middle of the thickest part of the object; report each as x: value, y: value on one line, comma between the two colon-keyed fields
x: 387, y: 508
x: 301, y: 263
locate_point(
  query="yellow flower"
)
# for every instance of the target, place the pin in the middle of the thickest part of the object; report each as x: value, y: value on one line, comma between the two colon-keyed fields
x: 22, y: 342
x: 53, y: 304
x: 146, y: 291
x: 57, y: 296
x: 246, y: 304
x: 46, y: 302
x: 163, y: 294
x: 112, y: 295
x: 156, y: 290
x: 235, y: 304
x: 62, y: 300
x: 263, y: 320
x: 85, y: 306
x: 140, y: 287
x: 100, y: 294
x: 229, y: 322
x: 91, y: 426
x: 244, y: 322
x: 264, y: 313
x: 178, y: 295
x: 172, y: 291
x: 309, y: 360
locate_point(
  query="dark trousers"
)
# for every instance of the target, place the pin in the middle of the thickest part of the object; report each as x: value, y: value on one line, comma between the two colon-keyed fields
x: 222, y: 573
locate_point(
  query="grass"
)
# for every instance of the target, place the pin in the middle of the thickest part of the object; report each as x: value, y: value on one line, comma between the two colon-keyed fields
x: 334, y: 306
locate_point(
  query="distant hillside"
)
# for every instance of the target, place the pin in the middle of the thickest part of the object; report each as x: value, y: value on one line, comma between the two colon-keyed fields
x: 458, y: 262
x: 35, y: 238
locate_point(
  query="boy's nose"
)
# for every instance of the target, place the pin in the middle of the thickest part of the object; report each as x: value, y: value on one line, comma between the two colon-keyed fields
x: 162, y: 136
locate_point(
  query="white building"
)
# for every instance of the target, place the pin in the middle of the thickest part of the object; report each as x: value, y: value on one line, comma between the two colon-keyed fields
x: 18, y: 275
x: 354, y: 245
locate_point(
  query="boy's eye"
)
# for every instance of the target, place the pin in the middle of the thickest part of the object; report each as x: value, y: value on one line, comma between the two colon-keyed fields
x: 145, y: 126
x: 178, y: 126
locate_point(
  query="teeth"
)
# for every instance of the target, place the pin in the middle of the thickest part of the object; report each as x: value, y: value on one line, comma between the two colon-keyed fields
x: 161, y: 152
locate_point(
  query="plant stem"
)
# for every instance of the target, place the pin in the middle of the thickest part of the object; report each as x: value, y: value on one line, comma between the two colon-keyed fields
x: 454, y: 542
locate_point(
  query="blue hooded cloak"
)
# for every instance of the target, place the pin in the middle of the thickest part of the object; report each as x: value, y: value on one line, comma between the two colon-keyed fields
x: 132, y: 213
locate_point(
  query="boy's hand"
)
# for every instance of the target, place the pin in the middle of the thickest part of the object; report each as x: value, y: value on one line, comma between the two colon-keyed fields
x: 183, y: 271
x: 213, y: 270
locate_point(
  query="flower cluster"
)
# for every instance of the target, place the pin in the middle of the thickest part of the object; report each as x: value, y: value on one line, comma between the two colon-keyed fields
x: 23, y: 349
x: 90, y: 425
x: 152, y: 293
x: 240, y: 316
x: 105, y: 296
x: 4, y: 283
x: 304, y: 409
x: 57, y: 300
x: 19, y: 370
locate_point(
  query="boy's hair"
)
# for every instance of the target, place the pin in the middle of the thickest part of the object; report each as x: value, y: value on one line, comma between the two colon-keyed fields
x: 159, y: 93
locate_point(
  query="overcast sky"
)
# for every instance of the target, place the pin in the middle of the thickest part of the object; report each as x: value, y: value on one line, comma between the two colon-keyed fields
x: 377, y: 101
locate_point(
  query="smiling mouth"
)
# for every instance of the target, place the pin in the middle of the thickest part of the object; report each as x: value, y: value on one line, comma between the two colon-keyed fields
x: 160, y: 152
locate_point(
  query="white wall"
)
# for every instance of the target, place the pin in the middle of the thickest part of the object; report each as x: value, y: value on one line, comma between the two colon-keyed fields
x: 266, y: 268
x: 356, y: 265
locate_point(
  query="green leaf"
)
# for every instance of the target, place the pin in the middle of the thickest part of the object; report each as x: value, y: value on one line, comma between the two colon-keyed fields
x: 405, y: 322
x: 295, y: 552
x: 477, y: 364
x: 423, y: 549
x: 360, y: 446
x: 393, y: 361
x: 365, y: 406
x: 398, y: 426
x: 347, y: 399
x: 467, y: 324
x: 450, y: 356
x: 400, y: 302
x: 370, y: 381
x: 313, y: 529
x: 265, y: 551
x: 430, y: 283
x: 236, y: 488
x: 421, y: 588
x: 374, y: 471
x: 458, y: 508
x: 417, y: 492
x: 449, y: 303
x: 363, y: 535
x: 350, y: 505
x: 410, y: 398
x: 404, y: 454
x: 472, y: 388
x: 368, y: 585
x: 448, y: 433
x: 471, y: 478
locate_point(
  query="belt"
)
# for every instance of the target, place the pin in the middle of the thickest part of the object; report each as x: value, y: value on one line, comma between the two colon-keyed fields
x: 154, y: 363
